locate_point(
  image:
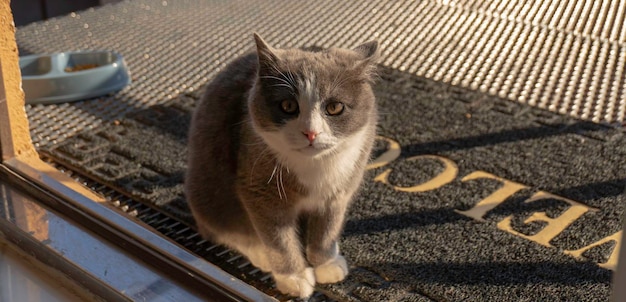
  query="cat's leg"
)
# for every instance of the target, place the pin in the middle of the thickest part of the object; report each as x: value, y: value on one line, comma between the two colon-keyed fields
x: 289, y: 268
x: 250, y: 247
x: 323, y: 230
x: 278, y: 232
x: 333, y: 270
x: 300, y: 284
x: 257, y: 255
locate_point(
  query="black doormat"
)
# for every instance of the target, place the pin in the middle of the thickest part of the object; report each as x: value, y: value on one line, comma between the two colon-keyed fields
x: 486, y: 200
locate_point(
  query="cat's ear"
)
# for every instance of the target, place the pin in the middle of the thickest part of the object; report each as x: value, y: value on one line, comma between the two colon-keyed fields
x: 368, y: 51
x: 267, y: 54
x: 366, y: 64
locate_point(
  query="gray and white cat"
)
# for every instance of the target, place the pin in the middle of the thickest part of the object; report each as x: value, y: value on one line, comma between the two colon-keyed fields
x: 277, y: 149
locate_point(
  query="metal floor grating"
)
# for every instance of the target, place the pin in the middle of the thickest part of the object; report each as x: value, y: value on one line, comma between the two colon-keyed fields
x: 186, y: 236
x: 566, y: 56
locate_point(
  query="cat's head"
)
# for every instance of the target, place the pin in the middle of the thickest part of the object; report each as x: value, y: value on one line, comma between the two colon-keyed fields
x: 308, y: 103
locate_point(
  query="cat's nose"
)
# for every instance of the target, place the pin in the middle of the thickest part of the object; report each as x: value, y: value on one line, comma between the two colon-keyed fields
x: 310, y: 135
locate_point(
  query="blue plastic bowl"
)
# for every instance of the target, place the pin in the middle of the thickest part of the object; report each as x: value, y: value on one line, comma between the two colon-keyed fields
x: 72, y: 76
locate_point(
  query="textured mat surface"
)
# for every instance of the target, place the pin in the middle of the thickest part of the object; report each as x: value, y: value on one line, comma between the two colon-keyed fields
x: 422, y: 228
x: 568, y: 56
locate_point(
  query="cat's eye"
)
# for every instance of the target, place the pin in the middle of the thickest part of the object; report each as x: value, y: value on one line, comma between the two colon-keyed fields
x: 289, y: 106
x: 334, y: 108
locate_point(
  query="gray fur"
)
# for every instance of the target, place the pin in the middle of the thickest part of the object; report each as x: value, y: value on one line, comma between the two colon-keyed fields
x: 253, y: 175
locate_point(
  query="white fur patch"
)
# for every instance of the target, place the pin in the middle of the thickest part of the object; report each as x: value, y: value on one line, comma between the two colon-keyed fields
x: 326, y: 176
x: 334, y: 270
x: 308, y: 94
x: 297, y: 285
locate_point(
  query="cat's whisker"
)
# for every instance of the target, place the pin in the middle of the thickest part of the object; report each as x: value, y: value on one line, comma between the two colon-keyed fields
x: 278, y: 183
x: 344, y: 81
x: 290, y: 77
x: 283, y: 85
x: 273, y: 173
x: 282, y: 80
x: 335, y: 83
x: 242, y: 122
x: 286, y: 77
x: 273, y: 65
x: 282, y: 184
x: 274, y: 78
x: 257, y: 159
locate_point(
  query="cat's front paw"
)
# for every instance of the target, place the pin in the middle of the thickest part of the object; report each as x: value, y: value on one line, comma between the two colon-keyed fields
x: 297, y: 285
x: 334, y: 270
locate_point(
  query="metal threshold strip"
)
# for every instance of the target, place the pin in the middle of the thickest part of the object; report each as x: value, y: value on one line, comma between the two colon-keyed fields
x: 184, y: 275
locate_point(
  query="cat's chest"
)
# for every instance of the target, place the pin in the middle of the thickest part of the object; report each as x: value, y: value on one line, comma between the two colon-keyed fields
x: 325, y: 177
x: 326, y: 180
x: 321, y: 187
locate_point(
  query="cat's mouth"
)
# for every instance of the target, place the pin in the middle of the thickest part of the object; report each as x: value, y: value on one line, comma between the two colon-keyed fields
x: 311, y: 150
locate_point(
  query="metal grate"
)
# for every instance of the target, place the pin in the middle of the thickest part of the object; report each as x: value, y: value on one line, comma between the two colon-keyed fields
x: 183, y: 234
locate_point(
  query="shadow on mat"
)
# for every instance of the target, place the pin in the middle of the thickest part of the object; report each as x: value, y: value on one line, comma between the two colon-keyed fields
x: 507, y: 136
x: 501, y: 273
x: 400, y: 221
